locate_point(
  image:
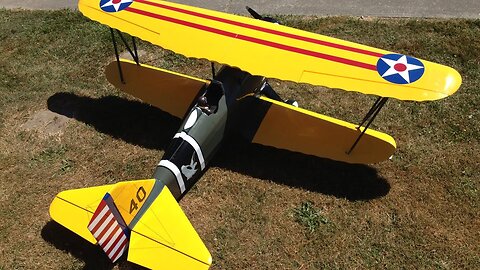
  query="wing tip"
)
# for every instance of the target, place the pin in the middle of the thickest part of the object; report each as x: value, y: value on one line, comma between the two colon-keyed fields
x: 70, y: 216
x: 453, y: 81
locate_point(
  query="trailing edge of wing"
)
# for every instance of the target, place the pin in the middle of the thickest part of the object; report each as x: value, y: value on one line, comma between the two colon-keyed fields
x: 277, y: 51
x: 287, y: 127
x: 169, y: 91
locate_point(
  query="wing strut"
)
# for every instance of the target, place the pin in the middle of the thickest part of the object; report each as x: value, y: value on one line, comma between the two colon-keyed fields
x: 370, y: 116
x: 268, y: 91
x: 260, y: 17
x: 133, y: 53
x: 214, y: 71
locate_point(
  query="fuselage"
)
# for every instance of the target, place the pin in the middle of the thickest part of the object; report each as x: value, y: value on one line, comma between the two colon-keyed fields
x: 203, y: 129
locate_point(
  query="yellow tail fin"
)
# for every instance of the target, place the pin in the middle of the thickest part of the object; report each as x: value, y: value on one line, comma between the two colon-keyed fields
x: 74, y: 209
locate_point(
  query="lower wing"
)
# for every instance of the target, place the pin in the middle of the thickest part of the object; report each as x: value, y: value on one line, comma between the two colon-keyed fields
x: 167, y: 90
x: 287, y: 127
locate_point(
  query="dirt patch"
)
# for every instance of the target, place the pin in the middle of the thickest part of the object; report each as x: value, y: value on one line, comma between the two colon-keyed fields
x: 128, y: 56
x: 46, y: 123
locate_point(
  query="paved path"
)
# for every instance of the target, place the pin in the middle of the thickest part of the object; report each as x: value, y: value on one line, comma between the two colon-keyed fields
x: 380, y: 8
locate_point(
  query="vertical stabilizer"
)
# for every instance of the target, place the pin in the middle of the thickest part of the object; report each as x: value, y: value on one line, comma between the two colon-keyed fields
x: 109, y: 229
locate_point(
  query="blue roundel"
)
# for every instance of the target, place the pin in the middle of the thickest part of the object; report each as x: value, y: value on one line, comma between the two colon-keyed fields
x: 400, y: 69
x: 114, y: 5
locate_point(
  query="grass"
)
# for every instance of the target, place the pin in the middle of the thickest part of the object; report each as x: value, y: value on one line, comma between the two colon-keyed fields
x: 418, y: 210
x: 309, y: 217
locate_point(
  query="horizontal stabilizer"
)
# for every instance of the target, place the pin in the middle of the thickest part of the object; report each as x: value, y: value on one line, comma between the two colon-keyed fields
x: 141, y: 216
x: 169, y: 91
x: 73, y: 209
x: 288, y: 127
x: 163, y: 238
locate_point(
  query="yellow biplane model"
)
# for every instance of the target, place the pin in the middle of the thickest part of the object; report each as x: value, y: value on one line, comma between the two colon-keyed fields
x: 142, y: 218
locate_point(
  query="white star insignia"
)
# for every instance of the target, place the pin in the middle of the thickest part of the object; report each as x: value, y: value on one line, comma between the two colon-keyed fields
x: 116, y: 3
x: 401, y: 67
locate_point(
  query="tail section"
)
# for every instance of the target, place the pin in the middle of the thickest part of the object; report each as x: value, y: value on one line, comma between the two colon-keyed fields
x: 139, y: 216
x: 74, y: 209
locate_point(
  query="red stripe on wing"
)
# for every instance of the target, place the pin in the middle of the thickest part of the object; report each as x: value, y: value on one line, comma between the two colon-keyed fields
x: 263, y: 29
x: 255, y: 40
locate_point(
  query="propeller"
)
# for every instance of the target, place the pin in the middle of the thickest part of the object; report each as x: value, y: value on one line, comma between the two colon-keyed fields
x: 260, y: 17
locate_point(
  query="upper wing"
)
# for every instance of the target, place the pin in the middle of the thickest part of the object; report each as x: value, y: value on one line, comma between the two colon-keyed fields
x: 276, y: 51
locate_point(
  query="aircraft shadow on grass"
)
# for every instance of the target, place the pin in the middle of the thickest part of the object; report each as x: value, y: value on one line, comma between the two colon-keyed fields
x: 93, y: 255
x: 144, y: 125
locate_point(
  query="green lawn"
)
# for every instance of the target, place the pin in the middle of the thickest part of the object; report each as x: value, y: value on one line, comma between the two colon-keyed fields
x: 259, y: 208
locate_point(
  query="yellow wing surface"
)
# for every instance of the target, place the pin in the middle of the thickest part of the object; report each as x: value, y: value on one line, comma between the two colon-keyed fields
x: 276, y: 51
x: 73, y: 209
x: 163, y: 238
x: 159, y: 234
x: 169, y: 91
x: 295, y: 129
x: 283, y: 126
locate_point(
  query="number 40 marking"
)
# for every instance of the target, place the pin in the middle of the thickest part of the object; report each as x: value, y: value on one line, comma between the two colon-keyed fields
x: 141, y: 194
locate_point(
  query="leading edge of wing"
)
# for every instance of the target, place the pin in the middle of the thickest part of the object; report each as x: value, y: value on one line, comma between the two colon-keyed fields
x: 274, y: 51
